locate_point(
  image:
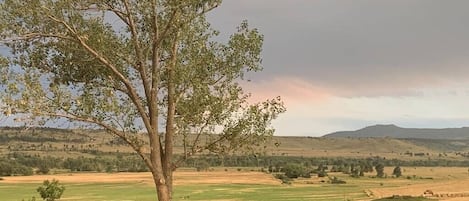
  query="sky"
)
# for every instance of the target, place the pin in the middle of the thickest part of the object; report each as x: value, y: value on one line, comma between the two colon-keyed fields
x: 345, y: 65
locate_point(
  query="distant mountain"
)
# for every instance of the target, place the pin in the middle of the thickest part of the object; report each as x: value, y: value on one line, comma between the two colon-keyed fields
x: 394, y: 131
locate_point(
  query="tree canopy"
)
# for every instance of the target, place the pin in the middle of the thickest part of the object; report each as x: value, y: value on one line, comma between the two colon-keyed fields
x: 130, y: 66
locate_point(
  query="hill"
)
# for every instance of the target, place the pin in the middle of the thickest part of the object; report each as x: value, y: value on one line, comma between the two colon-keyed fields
x: 90, y: 143
x: 393, y: 131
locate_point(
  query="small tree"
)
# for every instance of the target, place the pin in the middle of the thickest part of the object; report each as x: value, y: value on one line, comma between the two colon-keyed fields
x: 51, y: 190
x: 397, y: 171
x: 296, y: 170
x: 335, y: 180
x: 321, y: 170
x: 357, y: 171
x: 43, y: 169
x: 203, y: 166
x: 379, y: 170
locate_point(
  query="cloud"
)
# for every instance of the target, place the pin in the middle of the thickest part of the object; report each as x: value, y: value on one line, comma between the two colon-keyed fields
x: 359, y: 48
x: 315, y: 110
x: 292, y: 90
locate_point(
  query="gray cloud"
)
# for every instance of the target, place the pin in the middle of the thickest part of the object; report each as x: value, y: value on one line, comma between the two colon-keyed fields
x: 367, y: 47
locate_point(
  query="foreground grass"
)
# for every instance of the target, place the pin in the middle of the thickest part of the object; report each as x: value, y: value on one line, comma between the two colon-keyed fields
x: 145, y: 192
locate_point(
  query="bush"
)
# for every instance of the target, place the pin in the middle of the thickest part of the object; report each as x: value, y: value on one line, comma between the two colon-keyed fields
x: 335, y: 180
x: 379, y: 170
x: 322, y: 174
x: 202, y: 166
x: 109, y: 168
x: 397, y: 171
x: 43, y: 169
x: 51, y: 190
x: 10, y: 168
x: 295, y: 171
x: 283, y: 178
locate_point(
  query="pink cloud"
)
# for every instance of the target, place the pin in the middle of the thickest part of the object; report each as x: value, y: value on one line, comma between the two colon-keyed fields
x: 291, y: 90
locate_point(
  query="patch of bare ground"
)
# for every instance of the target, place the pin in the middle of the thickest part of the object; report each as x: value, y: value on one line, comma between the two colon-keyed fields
x: 445, y: 183
x: 180, y: 178
x: 452, y: 190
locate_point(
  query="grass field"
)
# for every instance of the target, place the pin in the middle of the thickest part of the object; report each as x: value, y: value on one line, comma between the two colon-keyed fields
x: 225, y: 192
x: 235, y: 185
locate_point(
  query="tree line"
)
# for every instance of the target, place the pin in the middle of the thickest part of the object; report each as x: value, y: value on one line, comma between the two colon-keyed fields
x: 17, y: 163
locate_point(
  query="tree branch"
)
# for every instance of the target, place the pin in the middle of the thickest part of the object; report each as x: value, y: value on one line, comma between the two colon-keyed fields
x: 114, y: 131
x: 132, y: 91
x: 30, y: 36
x: 138, y: 50
x: 168, y: 26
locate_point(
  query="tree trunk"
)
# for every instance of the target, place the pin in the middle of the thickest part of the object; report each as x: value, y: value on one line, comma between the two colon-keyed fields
x: 162, y: 189
x: 170, y: 129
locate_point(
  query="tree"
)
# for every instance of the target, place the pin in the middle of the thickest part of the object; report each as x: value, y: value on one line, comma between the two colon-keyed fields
x: 51, y: 190
x: 129, y: 66
x: 356, y: 171
x: 202, y: 166
x: 43, y: 168
x: 379, y: 170
x: 397, y: 171
x: 296, y: 170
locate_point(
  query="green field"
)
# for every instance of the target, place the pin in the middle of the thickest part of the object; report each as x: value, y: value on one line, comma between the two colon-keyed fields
x: 144, y: 192
x: 240, y: 186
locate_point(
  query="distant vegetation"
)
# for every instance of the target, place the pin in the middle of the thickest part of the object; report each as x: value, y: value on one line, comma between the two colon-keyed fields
x: 40, y: 150
x: 23, y: 164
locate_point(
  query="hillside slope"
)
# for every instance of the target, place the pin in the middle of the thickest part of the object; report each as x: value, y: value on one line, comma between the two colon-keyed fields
x: 88, y: 143
x: 393, y: 131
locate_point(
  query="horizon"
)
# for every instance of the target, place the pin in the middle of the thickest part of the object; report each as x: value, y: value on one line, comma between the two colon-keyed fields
x: 275, y: 135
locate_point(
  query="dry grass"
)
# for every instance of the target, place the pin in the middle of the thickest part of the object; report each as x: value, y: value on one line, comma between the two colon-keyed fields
x: 440, y: 180
x: 180, y: 178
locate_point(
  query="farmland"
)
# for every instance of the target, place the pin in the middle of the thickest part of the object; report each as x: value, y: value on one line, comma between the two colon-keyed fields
x: 95, y: 150
x: 244, y: 184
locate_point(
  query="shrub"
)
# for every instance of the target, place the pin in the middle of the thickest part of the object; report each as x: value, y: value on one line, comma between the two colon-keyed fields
x: 379, y: 170
x: 9, y: 168
x: 202, y: 166
x: 321, y: 174
x: 295, y: 171
x: 109, y: 168
x: 43, y: 169
x: 283, y: 178
x: 51, y: 190
x: 397, y: 171
x: 335, y: 180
